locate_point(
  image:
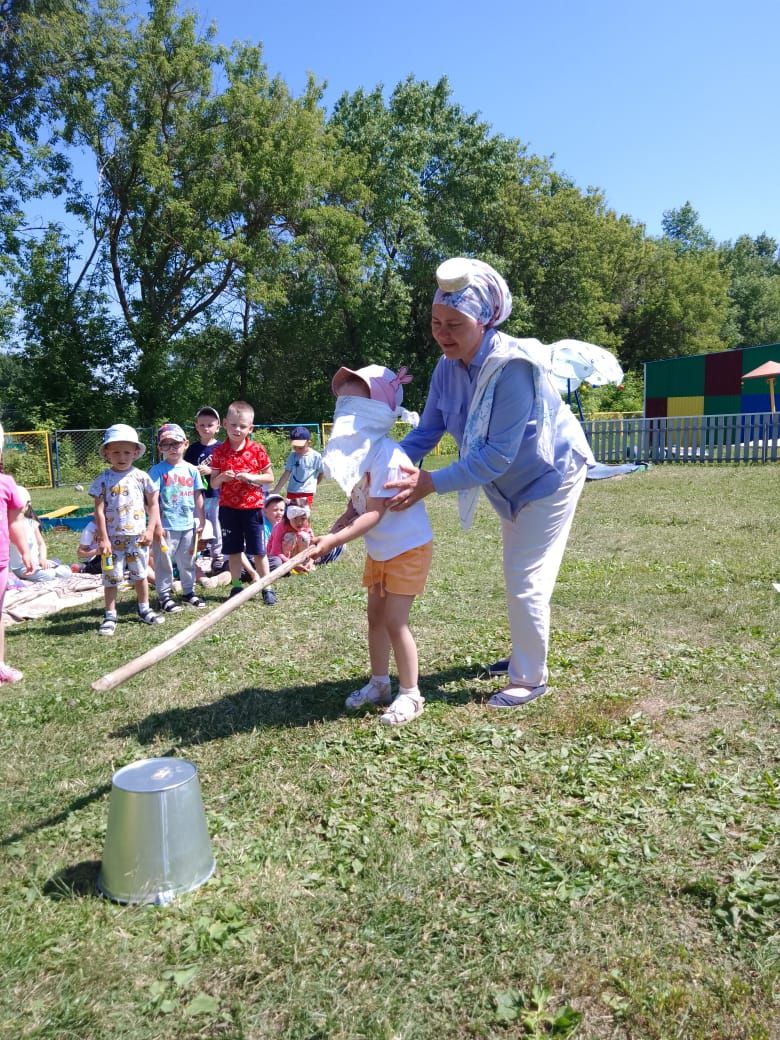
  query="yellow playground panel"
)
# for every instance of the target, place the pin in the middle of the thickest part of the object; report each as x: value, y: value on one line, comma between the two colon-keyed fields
x: 679, y: 406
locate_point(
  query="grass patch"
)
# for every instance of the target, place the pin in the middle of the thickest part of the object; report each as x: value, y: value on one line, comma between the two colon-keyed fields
x: 601, y: 864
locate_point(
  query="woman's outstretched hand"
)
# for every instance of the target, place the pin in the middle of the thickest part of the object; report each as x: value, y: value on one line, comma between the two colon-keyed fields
x: 412, y: 488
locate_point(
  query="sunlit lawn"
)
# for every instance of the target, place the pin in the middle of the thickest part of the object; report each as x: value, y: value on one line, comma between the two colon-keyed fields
x: 602, y: 863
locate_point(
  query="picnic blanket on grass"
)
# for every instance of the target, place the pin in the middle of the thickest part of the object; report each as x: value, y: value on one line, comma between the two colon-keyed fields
x: 37, y: 599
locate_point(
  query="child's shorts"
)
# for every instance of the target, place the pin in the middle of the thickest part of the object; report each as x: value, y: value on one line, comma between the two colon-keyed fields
x: 403, y: 575
x: 242, y: 531
x: 130, y: 561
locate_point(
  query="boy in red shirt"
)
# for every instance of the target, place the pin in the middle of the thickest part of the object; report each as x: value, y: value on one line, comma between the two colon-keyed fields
x: 241, y: 469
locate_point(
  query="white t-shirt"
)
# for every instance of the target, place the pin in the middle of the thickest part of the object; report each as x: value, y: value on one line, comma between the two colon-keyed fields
x: 395, y: 533
x: 88, y: 538
x: 15, y: 561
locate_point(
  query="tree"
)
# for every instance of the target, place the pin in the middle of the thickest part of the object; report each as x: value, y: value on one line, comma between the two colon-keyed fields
x: 39, y: 39
x: 195, y: 183
x: 679, y: 307
x: 684, y: 230
x: 73, y: 356
x: 753, y: 267
x: 424, y: 180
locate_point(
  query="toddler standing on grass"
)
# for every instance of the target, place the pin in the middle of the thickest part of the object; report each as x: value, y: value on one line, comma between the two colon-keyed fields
x: 302, y: 470
x: 241, y: 470
x: 199, y: 453
x: 181, y: 519
x: 362, y: 459
x: 123, y: 495
x: 11, y: 530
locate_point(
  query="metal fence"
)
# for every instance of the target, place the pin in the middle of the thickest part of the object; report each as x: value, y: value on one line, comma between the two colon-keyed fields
x: 71, y: 457
x: 77, y: 458
x: 695, y: 438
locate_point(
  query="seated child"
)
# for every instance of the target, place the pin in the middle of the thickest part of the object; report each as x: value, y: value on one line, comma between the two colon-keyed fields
x: 362, y: 458
x: 88, y: 550
x: 44, y: 569
x: 273, y: 512
x: 291, y: 536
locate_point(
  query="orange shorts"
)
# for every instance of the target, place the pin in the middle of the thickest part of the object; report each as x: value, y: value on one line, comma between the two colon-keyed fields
x: 402, y: 575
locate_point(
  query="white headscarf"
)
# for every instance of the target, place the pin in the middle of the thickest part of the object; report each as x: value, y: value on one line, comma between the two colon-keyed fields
x: 477, y: 290
x: 358, y: 426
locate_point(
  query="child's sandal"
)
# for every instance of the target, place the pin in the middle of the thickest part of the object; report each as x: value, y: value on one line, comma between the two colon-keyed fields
x: 107, y: 625
x: 403, y: 709
x: 149, y: 617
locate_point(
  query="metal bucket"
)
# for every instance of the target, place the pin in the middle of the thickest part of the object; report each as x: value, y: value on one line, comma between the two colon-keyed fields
x: 157, y: 844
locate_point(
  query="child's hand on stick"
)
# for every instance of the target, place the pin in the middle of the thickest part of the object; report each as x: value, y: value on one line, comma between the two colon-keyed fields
x: 323, y: 544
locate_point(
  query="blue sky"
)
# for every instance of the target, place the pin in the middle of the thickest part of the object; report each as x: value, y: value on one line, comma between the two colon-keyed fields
x: 655, y: 102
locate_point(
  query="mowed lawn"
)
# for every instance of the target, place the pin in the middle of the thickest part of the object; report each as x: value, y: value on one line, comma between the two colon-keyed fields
x: 600, y: 864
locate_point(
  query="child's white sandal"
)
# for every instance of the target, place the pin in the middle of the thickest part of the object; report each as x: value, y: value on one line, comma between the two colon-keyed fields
x: 403, y: 709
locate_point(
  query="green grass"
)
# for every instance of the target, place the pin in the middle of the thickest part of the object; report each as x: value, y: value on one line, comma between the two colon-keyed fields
x: 600, y: 864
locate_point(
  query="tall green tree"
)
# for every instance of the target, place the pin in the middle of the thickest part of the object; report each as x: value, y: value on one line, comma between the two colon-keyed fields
x: 39, y: 41
x: 72, y: 356
x: 753, y: 267
x: 197, y: 179
x: 680, y: 305
x: 424, y: 180
x: 684, y: 229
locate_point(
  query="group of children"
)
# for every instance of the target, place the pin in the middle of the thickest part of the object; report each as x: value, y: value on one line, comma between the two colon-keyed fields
x: 220, y: 489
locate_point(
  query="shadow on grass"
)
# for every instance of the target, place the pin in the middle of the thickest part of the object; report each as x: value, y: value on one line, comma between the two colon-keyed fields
x: 76, y: 882
x: 60, y: 817
x: 248, y: 710
x: 254, y: 708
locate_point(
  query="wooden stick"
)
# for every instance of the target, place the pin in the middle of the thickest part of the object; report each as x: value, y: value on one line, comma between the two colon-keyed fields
x: 197, y: 628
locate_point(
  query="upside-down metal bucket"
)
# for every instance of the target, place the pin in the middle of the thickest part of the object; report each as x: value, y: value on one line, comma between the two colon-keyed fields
x: 157, y: 843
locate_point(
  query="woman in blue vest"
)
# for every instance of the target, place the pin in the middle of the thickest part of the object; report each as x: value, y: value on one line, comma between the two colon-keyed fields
x: 517, y: 441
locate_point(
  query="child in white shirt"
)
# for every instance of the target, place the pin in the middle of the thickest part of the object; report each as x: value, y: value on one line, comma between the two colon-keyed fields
x: 399, y: 545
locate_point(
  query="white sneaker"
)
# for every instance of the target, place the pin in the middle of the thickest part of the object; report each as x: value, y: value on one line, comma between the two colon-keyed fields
x: 373, y: 693
x: 404, y: 708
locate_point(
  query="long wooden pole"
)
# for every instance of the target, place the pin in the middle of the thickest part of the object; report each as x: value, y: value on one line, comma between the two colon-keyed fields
x: 197, y: 628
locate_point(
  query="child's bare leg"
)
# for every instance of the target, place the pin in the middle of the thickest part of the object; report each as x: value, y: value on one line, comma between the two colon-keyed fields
x: 263, y: 570
x: 141, y: 591
x: 396, y: 624
x: 249, y: 568
x: 378, y: 637
x: 236, y: 563
x: 109, y: 595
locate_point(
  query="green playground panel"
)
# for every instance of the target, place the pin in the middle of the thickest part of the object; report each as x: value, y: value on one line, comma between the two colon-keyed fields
x: 723, y: 404
x: 677, y: 377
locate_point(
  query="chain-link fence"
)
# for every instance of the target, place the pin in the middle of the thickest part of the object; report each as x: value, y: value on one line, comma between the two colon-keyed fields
x: 77, y: 458
x: 27, y: 457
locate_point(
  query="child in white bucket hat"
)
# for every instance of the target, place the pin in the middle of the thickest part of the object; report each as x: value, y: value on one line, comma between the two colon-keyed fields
x: 126, y: 514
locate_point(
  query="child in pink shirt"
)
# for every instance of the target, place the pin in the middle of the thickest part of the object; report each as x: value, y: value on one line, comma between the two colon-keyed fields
x: 12, y: 529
